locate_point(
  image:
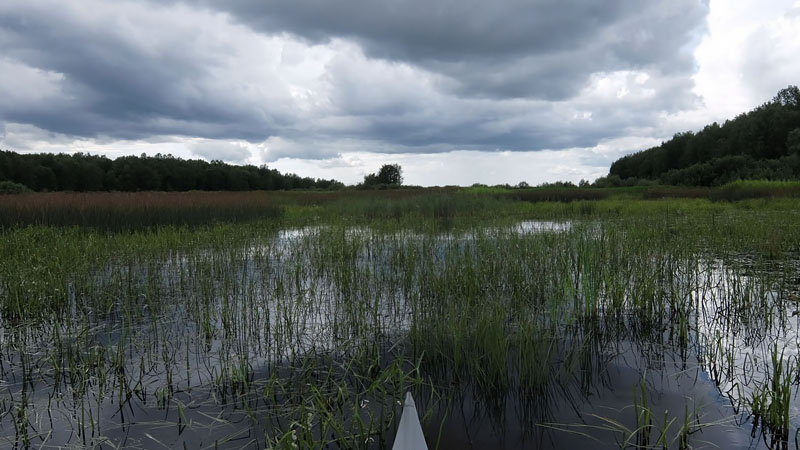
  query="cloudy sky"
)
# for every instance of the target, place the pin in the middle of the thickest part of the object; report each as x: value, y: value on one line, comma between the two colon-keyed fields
x: 456, y: 91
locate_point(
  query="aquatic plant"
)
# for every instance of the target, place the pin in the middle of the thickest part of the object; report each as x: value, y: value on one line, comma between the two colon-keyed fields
x: 305, y: 328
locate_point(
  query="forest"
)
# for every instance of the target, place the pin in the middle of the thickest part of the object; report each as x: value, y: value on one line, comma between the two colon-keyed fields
x: 82, y: 172
x: 761, y: 144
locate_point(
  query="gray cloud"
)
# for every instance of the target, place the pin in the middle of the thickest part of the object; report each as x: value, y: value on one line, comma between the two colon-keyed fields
x: 517, y: 48
x: 117, y: 77
x: 317, y: 78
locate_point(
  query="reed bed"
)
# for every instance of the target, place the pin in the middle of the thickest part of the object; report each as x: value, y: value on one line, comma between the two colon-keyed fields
x: 736, y: 191
x: 125, y: 211
x: 305, y: 332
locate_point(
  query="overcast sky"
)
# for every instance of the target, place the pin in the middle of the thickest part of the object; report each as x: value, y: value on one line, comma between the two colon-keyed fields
x: 455, y: 91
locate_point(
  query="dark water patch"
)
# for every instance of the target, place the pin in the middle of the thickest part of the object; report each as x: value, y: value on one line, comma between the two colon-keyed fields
x: 629, y: 401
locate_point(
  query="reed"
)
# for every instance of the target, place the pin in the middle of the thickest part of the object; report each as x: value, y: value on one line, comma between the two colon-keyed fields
x: 124, y: 211
x: 305, y: 327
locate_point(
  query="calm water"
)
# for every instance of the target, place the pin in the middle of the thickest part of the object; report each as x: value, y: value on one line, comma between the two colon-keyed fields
x: 178, y: 376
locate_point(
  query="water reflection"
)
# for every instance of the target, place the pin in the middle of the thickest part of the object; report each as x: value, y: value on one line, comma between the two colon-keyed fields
x: 212, y: 347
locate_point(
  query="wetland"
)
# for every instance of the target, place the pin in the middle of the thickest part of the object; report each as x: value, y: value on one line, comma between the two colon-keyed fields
x: 302, y: 321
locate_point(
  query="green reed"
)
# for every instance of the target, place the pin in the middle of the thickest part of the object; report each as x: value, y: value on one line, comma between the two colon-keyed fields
x: 309, y: 337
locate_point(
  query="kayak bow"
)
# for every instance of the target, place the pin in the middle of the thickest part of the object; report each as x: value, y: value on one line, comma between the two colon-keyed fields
x: 409, y: 433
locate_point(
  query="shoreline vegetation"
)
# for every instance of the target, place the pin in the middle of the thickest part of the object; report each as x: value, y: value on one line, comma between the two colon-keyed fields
x: 760, y: 144
x: 133, y: 210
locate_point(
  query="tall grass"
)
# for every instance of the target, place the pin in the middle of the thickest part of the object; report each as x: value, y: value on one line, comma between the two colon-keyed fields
x: 257, y: 336
x: 736, y: 191
x: 129, y: 211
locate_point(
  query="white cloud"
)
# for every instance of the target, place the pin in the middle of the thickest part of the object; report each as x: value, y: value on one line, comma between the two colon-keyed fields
x: 227, y: 151
x: 771, y: 54
x: 468, y: 167
x: 749, y: 53
x: 21, y: 83
x: 628, y: 85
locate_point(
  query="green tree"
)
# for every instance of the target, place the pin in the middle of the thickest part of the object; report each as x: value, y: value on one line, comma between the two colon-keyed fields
x: 390, y: 174
x: 788, y: 96
x: 84, y: 172
x: 370, y: 179
x: 793, y: 141
x: 762, y: 138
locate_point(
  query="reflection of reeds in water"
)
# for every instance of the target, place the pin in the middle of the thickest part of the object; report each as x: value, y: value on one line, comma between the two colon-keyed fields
x: 238, y: 335
x: 770, y: 402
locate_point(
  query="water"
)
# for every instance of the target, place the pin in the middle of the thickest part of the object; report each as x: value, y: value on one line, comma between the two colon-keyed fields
x: 601, y: 413
x: 231, y: 348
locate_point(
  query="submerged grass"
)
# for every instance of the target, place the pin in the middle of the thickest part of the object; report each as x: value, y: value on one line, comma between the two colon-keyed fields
x: 304, y: 329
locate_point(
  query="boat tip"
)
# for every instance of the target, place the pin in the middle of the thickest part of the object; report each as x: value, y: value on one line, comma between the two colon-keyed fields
x: 409, y: 402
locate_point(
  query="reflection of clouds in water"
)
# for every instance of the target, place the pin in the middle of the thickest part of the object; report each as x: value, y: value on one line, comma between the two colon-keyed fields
x: 297, y: 233
x: 741, y: 316
x: 523, y: 227
x: 538, y: 226
x: 281, y: 292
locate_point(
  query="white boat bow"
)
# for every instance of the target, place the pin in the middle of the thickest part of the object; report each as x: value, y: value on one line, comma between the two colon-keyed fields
x: 409, y: 432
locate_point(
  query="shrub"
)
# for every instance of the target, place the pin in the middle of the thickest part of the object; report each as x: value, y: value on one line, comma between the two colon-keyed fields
x: 9, y: 187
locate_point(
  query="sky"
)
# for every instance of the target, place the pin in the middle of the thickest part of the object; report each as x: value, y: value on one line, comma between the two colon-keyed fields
x: 455, y: 91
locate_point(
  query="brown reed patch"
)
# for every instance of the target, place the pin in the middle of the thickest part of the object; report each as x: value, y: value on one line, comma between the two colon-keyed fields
x: 130, y: 210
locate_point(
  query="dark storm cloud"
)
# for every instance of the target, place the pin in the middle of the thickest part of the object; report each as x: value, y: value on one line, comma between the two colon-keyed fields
x: 398, y: 76
x: 517, y: 48
x: 129, y: 83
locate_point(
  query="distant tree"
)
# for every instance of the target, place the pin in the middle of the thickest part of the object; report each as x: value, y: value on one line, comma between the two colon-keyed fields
x: 793, y: 141
x: 390, y: 174
x: 370, y: 179
x: 558, y: 184
x: 84, y: 172
x: 45, y: 179
x: 788, y: 96
x: 9, y: 187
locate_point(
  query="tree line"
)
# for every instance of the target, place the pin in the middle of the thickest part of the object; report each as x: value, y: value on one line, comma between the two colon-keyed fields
x: 761, y: 144
x: 83, y: 172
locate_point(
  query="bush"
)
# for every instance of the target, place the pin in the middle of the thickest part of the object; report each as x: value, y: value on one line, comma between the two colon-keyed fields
x: 9, y: 187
